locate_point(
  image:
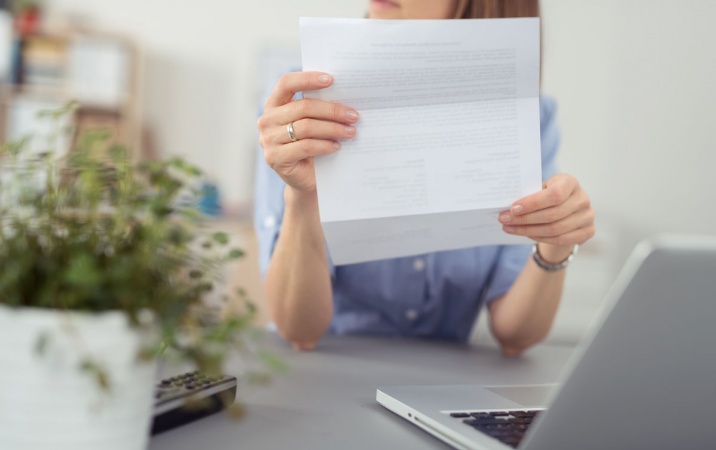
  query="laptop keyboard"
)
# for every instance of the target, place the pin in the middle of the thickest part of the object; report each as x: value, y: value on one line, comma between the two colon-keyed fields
x: 506, y: 426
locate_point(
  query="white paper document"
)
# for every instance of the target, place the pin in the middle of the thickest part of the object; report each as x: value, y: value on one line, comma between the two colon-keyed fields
x: 448, y: 133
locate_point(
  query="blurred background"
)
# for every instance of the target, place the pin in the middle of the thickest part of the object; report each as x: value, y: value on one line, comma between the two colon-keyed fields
x: 634, y: 81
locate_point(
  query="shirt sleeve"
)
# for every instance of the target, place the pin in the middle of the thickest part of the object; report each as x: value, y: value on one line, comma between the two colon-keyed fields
x: 549, y: 135
x: 512, y: 258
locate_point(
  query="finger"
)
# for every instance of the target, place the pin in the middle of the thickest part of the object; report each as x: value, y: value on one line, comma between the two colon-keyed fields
x: 293, y: 82
x: 578, y: 236
x: 556, y: 191
x: 311, y: 129
x: 314, y: 109
x: 577, y: 220
x: 577, y: 201
x: 290, y: 154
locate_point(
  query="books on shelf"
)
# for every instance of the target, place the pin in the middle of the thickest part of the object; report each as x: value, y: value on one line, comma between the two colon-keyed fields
x: 97, y: 71
x: 43, y: 61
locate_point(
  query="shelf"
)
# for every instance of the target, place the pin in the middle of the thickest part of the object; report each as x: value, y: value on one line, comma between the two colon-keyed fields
x: 99, y: 72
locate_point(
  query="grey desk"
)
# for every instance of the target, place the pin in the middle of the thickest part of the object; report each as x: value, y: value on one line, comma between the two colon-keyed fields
x: 327, y: 400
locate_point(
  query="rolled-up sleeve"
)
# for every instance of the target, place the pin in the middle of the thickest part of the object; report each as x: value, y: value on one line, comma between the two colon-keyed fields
x: 510, y: 262
x: 512, y: 258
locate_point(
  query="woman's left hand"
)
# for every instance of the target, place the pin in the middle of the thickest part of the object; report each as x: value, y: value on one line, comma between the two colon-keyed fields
x: 560, y: 214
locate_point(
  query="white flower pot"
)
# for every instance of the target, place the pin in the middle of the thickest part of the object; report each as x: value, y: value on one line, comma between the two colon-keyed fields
x: 48, y: 402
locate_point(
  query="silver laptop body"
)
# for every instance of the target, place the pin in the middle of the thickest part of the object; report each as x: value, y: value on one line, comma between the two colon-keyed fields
x: 645, y: 378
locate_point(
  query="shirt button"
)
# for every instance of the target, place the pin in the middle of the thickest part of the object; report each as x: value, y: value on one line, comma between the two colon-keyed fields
x: 269, y: 222
x: 411, y: 314
x: 419, y: 264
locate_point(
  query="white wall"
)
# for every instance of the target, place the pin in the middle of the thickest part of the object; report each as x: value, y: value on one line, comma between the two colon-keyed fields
x: 634, y: 79
x: 636, y: 84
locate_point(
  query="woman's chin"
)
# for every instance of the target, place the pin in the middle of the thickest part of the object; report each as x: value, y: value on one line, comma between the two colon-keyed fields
x: 384, y: 9
x: 384, y: 15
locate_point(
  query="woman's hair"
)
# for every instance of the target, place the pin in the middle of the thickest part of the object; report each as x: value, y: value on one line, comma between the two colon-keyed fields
x: 495, y: 9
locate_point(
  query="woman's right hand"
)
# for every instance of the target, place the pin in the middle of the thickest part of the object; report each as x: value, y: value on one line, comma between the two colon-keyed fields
x: 317, y: 126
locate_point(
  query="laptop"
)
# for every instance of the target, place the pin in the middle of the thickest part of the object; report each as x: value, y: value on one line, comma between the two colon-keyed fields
x: 643, y: 378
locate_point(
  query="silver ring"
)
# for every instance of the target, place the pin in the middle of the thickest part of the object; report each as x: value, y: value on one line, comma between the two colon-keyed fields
x: 291, y: 134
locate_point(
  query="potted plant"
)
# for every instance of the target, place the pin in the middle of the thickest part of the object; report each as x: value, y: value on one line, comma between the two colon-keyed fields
x: 104, y: 263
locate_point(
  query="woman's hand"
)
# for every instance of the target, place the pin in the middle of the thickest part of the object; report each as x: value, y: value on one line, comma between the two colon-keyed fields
x: 317, y: 127
x: 560, y: 215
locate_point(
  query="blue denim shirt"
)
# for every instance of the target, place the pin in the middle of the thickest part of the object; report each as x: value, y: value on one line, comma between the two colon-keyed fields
x: 436, y: 295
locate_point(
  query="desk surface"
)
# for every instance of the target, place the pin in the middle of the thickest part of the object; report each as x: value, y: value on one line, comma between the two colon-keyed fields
x: 327, y: 400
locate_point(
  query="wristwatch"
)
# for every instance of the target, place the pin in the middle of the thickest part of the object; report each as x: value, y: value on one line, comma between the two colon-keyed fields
x: 537, y: 257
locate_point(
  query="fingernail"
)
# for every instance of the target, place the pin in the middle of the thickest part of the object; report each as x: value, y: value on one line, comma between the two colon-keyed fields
x: 509, y: 229
x: 516, y: 209
x: 504, y: 218
x: 325, y: 79
x: 352, y: 115
x: 336, y: 145
x: 350, y: 130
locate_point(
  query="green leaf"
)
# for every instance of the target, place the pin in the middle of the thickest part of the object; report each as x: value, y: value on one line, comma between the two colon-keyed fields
x: 99, y: 374
x: 118, y: 153
x: 235, y: 253
x: 82, y: 271
x: 220, y: 237
x: 273, y: 362
x: 41, y: 344
x: 205, y: 287
x: 196, y: 274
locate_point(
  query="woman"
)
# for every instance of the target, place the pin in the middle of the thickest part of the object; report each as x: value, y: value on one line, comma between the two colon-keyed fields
x: 437, y: 295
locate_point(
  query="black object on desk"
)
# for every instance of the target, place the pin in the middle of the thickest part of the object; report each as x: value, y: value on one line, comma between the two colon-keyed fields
x: 190, y: 396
